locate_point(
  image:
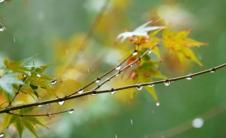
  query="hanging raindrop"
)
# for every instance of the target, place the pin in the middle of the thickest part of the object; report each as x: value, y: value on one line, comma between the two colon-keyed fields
x: 71, y: 111
x: 157, y: 103
x: 39, y: 106
x: 189, y: 77
x: 131, y: 122
x: 149, y: 52
x: 135, y: 53
x: 151, y: 85
x: 2, y: 135
x: 167, y: 83
x: 98, y: 80
x: 2, y: 27
x: 118, y: 68
x: 61, y: 102
x: 139, y: 88
x: 80, y: 91
x: 1, y: 1
x: 53, y: 82
x: 213, y: 70
x: 116, y: 136
x: 197, y: 122
x: 38, y: 75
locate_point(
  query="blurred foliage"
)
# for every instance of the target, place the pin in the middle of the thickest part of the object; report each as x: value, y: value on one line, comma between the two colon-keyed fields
x: 52, y: 32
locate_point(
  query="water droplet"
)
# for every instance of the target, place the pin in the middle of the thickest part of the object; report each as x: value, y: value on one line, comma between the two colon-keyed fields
x: 197, y: 122
x: 131, y: 122
x: 71, y: 111
x: 2, y: 1
x: 189, y: 77
x: 213, y: 70
x: 139, y: 88
x: 113, y: 92
x: 39, y: 106
x: 149, y: 52
x: 49, y: 115
x: 116, y: 136
x: 53, y: 82
x: 98, y: 80
x: 38, y: 75
x: 2, y: 27
x: 157, y: 103
x: 167, y: 83
x: 118, y: 68
x: 151, y: 85
x: 80, y: 91
x: 61, y: 102
x: 117, y: 75
x: 2, y: 135
x: 135, y: 53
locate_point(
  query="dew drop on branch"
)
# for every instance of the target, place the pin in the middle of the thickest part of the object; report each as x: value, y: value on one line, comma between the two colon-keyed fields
x: 151, y: 85
x: 71, y: 111
x: 135, y: 53
x: 98, y: 80
x: 118, y: 68
x: 61, y: 102
x: 53, y: 82
x: 139, y: 88
x: 167, y: 83
x: 213, y: 70
x: 1, y: 1
x: 2, y: 27
x: 197, y: 123
x: 80, y: 91
x: 39, y: 106
x: 189, y: 77
x: 2, y: 135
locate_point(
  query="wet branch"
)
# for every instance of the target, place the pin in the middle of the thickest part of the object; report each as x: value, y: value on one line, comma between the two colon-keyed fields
x: 188, y: 76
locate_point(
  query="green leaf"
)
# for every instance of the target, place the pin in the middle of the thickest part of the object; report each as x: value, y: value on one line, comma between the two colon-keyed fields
x: 7, y: 120
x: 19, y: 126
x: 30, y: 127
x: 153, y: 93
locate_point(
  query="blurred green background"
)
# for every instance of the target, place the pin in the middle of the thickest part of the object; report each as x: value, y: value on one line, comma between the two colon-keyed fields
x: 32, y: 27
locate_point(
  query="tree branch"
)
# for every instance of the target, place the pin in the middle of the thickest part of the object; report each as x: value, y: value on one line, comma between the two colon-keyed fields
x: 210, y: 70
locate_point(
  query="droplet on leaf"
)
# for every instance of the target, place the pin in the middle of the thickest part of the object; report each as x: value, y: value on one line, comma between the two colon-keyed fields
x: 71, y: 111
x: 197, y: 122
x: 167, y: 83
x: 61, y: 102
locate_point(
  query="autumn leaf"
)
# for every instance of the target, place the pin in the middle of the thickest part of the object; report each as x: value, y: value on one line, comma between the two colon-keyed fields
x: 179, y: 44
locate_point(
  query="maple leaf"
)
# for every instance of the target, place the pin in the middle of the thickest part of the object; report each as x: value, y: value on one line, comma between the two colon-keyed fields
x: 139, y: 31
x: 180, y: 45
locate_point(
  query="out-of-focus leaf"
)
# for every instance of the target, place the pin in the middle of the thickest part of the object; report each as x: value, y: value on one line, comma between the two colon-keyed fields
x: 7, y: 120
x: 153, y: 93
x: 30, y: 127
x: 19, y: 126
x: 7, y: 81
x: 180, y: 44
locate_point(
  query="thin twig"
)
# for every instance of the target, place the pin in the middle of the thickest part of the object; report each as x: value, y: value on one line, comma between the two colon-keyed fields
x: 100, y: 77
x: 41, y: 115
x: 210, y: 70
x: 121, y: 70
x: 18, y: 91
